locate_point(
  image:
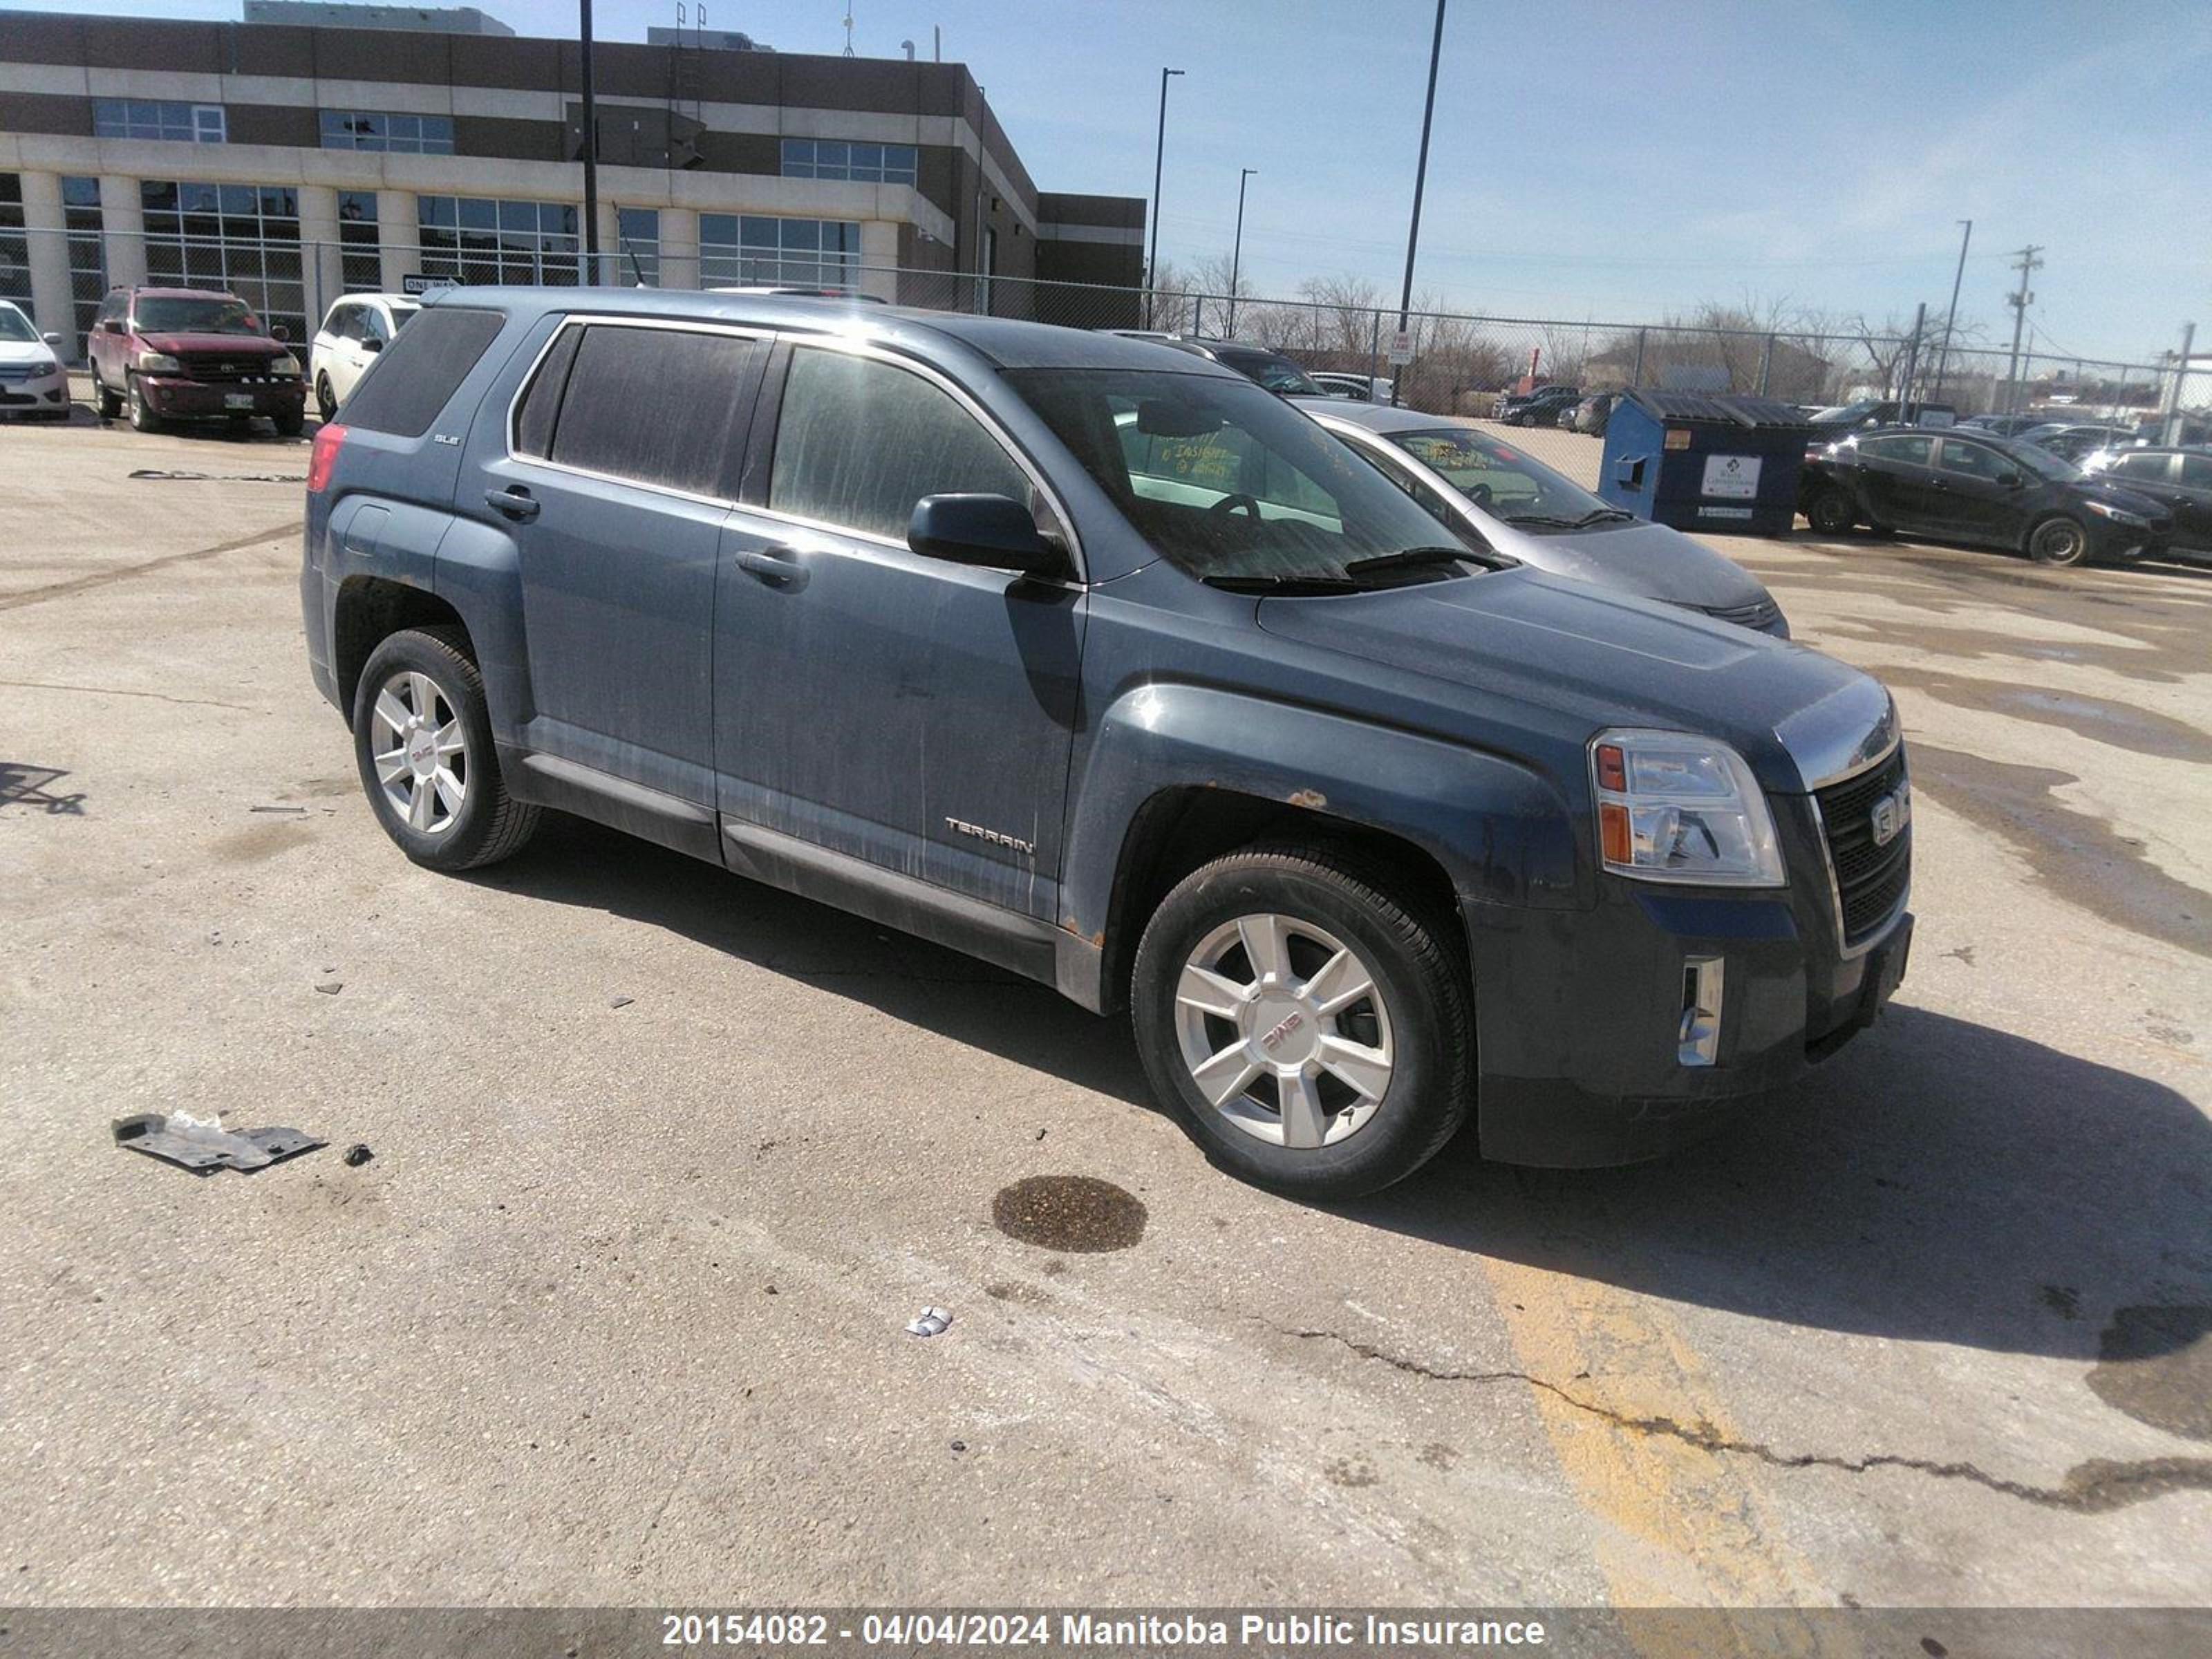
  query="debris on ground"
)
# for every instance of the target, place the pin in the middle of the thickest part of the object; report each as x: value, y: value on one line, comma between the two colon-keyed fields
x: 357, y: 1155
x: 301, y: 810
x: 930, y: 1321
x: 620, y: 1002
x: 204, y: 1145
x: 330, y: 988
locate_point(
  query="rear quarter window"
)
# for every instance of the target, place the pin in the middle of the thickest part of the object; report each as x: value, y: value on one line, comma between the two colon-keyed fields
x: 417, y: 374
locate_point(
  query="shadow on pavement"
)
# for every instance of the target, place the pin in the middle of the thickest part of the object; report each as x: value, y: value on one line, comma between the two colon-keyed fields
x: 1937, y: 1181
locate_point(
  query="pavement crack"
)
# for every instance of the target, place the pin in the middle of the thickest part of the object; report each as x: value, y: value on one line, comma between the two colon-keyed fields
x: 2094, y: 1487
x: 103, y: 577
x: 117, y: 691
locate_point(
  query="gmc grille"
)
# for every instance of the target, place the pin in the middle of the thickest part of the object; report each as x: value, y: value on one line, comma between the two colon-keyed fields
x: 1870, y: 880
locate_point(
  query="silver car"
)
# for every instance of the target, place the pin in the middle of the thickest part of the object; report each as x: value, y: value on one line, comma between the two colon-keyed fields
x: 1477, y: 483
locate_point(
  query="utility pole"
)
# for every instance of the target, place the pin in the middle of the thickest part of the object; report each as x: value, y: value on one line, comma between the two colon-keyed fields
x: 1908, y: 412
x: 1951, y: 317
x: 2169, y: 431
x: 1420, y: 179
x: 590, y: 150
x: 1159, y: 156
x: 1236, y: 254
x: 2027, y: 264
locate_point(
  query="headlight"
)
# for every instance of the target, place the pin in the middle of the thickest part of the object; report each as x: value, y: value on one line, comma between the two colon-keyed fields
x: 286, y: 364
x: 40, y: 370
x: 159, y: 362
x: 1672, y: 806
x: 2118, y: 514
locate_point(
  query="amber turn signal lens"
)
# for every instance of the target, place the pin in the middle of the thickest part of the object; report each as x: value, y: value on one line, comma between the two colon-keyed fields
x: 1613, y: 828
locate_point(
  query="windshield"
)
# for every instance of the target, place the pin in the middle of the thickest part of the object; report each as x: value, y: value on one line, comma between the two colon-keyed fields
x: 1503, y: 480
x: 181, y: 316
x: 2043, y: 463
x: 1276, y: 373
x: 15, y: 325
x: 1228, y: 482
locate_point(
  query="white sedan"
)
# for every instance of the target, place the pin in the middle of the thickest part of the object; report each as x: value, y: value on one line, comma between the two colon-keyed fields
x: 33, y: 382
x: 358, y: 327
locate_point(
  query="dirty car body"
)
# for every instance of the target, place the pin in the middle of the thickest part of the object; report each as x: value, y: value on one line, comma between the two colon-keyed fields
x: 1087, y: 658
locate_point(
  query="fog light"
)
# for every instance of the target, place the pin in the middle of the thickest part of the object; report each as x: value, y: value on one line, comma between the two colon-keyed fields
x: 1699, y: 1035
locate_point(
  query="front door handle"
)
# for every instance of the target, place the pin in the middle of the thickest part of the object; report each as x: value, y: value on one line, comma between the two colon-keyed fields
x: 514, y: 502
x: 772, y: 564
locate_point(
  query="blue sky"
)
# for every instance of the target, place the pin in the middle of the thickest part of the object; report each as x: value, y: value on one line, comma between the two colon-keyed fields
x: 1616, y: 159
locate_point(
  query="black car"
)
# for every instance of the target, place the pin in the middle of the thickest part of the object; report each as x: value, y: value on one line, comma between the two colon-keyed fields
x: 1868, y: 413
x: 1545, y: 406
x: 1271, y: 369
x: 2074, y: 441
x: 2180, y: 480
x: 2006, y: 426
x: 1956, y: 485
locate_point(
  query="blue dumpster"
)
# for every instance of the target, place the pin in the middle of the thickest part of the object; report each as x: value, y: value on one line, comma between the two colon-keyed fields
x: 1701, y: 461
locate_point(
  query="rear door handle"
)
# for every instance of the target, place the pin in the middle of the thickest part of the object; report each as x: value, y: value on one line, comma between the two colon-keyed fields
x: 514, y: 502
x: 773, y: 564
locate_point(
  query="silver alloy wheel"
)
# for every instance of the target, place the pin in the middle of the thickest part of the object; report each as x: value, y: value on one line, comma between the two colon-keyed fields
x: 1285, y: 1030
x: 420, y: 751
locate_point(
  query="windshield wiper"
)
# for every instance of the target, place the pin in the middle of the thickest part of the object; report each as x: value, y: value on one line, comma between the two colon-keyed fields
x: 1548, y: 520
x: 1408, y: 556
x: 1283, y: 585
x: 1600, y: 515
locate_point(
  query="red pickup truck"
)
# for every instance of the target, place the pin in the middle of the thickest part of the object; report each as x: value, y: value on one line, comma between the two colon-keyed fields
x: 189, y: 354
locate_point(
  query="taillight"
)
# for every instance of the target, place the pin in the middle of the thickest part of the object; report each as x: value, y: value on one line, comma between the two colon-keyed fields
x: 323, y: 456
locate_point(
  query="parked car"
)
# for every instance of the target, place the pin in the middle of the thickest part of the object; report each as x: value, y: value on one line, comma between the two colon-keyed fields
x: 34, y: 384
x: 1482, y: 487
x: 2005, y: 426
x: 2071, y: 441
x: 1839, y: 421
x: 1970, y: 487
x: 1591, y: 415
x: 1104, y: 664
x: 2194, y: 431
x: 1268, y: 368
x: 357, y: 328
x: 1541, y: 407
x: 2177, y: 479
x: 185, y: 354
x: 1366, y: 388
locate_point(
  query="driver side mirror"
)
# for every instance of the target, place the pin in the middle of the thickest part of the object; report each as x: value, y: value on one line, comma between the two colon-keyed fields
x: 278, y: 332
x: 52, y: 339
x: 371, y: 343
x: 2010, y: 480
x: 111, y: 325
x: 993, y: 532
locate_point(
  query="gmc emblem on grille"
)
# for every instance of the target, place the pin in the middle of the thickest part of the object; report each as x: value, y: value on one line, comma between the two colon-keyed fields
x: 1891, y: 814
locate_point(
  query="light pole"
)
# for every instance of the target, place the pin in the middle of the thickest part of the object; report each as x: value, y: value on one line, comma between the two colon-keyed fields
x: 590, y: 150
x: 1237, y: 252
x: 1420, y: 179
x: 1159, y: 156
x: 1951, y: 317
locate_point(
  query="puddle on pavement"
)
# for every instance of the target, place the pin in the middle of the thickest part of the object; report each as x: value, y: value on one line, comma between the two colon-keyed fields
x: 1077, y: 1213
x: 2156, y: 1364
x: 2098, y: 719
x: 2078, y: 857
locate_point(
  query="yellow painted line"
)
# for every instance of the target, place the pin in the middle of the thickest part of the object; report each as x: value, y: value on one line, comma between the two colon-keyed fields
x: 1679, y: 1526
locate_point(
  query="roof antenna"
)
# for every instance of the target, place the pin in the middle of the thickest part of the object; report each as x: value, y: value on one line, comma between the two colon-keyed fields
x: 849, y: 30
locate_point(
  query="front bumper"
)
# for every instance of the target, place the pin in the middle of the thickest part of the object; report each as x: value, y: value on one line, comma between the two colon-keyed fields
x: 1579, y: 1014
x: 176, y: 398
x: 46, y: 394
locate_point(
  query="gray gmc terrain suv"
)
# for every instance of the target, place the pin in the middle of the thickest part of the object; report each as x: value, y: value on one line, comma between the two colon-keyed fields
x: 1096, y: 660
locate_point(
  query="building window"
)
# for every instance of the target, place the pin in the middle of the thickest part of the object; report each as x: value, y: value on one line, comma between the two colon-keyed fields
x: 747, y: 250
x: 402, y: 135
x: 88, y: 253
x: 475, y: 240
x: 835, y: 158
x: 242, y: 237
x: 14, y: 244
x: 361, y: 263
x: 145, y: 117
x: 637, y: 247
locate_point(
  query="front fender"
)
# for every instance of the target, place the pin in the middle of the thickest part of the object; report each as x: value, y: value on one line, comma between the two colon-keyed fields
x: 1501, y: 831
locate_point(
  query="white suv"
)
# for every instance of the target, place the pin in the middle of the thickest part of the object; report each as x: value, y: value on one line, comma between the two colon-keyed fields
x: 358, y: 327
x: 33, y: 382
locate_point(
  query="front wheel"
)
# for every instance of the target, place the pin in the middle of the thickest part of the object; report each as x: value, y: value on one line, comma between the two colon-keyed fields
x: 110, y: 404
x: 142, y: 417
x: 2059, y: 541
x: 1314, y: 1033
x: 291, y: 424
x: 421, y: 738
x: 1829, y: 512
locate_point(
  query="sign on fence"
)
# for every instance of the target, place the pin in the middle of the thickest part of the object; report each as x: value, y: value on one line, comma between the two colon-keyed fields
x: 1402, y: 347
x: 415, y: 282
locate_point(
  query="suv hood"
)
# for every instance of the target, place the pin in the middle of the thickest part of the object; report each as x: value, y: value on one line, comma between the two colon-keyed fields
x: 1648, y: 560
x: 1608, y: 660
x: 237, y: 345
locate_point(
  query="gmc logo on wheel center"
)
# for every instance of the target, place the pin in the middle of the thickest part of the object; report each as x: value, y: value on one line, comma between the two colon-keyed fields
x: 1290, y: 1023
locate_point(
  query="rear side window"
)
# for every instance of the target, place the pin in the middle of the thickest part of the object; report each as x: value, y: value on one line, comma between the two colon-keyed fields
x: 419, y: 373
x: 860, y: 442
x: 2197, y: 471
x: 662, y: 406
x: 2141, y: 466
x: 1912, y: 451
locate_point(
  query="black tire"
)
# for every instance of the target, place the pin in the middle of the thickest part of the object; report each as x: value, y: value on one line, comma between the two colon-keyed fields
x: 109, y: 404
x: 491, y: 824
x: 1524, y: 419
x: 142, y: 417
x: 291, y: 424
x: 1831, y: 512
x: 2059, y: 541
x: 326, y: 406
x: 1431, y: 1083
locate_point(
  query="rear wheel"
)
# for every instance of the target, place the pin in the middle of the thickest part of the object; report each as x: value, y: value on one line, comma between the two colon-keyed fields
x: 1314, y: 1034
x: 421, y: 736
x: 326, y: 404
x: 1829, y: 512
x: 142, y: 417
x: 2059, y: 541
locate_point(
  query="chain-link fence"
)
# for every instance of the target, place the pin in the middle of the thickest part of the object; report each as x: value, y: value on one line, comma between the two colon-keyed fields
x: 1461, y: 364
